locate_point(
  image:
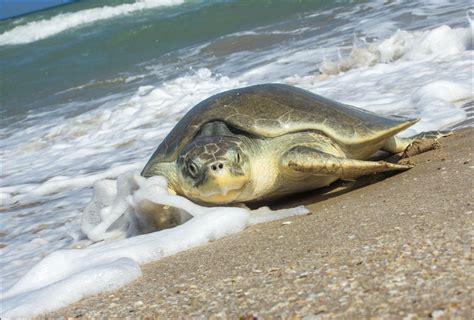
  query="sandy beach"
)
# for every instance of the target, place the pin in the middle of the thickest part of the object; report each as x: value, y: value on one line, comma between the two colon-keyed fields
x: 386, y: 246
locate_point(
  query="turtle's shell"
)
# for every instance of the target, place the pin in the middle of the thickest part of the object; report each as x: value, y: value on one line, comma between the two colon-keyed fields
x: 271, y: 110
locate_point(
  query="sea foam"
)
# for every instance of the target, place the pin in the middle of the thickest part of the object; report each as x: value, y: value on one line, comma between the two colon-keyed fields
x: 404, y: 45
x: 66, y: 276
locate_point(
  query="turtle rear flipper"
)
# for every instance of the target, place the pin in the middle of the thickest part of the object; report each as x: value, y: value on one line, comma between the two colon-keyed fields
x: 416, y: 144
x: 308, y: 160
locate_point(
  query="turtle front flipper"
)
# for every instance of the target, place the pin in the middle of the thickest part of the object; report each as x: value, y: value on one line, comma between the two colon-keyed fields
x: 416, y: 144
x: 312, y: 161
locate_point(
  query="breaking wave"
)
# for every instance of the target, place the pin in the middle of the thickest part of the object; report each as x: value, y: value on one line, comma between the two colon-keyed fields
x: 38, y: 30
x: 403, y: 45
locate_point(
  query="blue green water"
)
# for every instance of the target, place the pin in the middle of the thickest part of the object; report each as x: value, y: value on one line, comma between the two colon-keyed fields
x: 102, y: 54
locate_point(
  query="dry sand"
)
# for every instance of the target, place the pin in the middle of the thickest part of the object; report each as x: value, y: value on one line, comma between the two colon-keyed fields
x: 389, y: 246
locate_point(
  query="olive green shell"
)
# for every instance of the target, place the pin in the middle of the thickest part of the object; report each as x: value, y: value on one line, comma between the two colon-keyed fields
x: 270, y: 110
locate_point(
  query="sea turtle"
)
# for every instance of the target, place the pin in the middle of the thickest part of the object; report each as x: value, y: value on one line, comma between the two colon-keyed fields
x: 269, y: 140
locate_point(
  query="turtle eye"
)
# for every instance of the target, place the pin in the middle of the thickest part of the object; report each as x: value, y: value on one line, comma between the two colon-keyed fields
x: 238, y: 157
x: 193, y: 169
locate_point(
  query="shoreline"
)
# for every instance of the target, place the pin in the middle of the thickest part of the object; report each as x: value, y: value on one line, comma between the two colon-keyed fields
x: 387, y: 245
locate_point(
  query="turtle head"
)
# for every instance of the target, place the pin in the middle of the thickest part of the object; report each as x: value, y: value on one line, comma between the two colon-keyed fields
x: 213, y: 169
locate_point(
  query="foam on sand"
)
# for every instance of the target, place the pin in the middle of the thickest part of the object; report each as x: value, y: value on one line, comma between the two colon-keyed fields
x: 38, y: 30
x: 66, y: 276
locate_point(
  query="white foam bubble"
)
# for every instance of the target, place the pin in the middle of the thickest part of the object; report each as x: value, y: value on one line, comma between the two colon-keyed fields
x: 26, y: 194
x: 38, y: 30
x: 94, y: 279
x: 68, y: 275
x: 404, y: 45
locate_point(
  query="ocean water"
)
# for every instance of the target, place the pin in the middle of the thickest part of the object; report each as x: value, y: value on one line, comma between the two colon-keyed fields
x: 89, y: 90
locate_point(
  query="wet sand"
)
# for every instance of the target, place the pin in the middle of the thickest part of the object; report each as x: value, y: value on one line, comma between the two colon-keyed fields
x: 389, y: 246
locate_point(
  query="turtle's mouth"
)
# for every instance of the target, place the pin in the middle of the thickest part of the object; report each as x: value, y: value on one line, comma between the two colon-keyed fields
x: 217, y: 197
x: 220, y: 190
